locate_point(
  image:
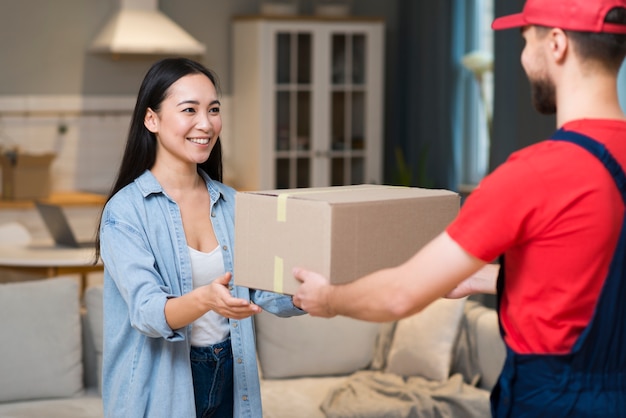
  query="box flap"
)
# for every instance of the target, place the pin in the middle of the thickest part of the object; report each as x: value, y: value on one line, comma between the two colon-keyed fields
x: 355, y: 194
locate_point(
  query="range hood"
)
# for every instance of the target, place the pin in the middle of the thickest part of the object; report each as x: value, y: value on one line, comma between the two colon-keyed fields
x: 140, y: 28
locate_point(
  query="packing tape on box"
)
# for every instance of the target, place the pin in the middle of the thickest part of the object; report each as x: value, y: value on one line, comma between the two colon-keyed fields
x: 281, y: 207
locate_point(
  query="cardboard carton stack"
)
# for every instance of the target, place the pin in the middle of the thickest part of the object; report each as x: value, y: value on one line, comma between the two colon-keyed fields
x: 343, y: 232
x: 25, y: 176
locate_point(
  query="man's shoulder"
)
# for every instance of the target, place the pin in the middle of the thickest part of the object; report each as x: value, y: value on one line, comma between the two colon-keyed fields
x: 545, y: 150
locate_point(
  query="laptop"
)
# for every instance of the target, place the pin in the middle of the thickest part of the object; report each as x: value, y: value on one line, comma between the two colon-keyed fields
x: 58, y: 226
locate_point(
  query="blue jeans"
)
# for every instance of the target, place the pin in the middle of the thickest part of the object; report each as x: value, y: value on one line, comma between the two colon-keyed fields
x: 212, y: 372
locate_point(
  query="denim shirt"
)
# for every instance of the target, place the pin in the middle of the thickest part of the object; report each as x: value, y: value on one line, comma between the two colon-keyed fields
x: 146, y: 365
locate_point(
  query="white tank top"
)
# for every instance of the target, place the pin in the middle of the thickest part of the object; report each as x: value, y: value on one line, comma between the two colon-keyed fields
x: 210, y: 328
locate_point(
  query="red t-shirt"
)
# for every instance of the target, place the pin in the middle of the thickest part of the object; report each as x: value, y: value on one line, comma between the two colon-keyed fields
x: 556, y: 213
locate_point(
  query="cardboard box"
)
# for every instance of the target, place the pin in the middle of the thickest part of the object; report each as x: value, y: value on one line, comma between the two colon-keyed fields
x: 25, y: 176
x: 343, y: 232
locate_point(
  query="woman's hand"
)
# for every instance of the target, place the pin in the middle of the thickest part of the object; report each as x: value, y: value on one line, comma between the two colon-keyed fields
x: 183, y: 310
x: 222, y: 302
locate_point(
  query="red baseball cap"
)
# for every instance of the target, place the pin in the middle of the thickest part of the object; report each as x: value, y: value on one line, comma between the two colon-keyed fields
x: 575, y: 15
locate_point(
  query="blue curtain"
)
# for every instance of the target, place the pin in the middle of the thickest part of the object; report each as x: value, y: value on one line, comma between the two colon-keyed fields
x: 421, y: 93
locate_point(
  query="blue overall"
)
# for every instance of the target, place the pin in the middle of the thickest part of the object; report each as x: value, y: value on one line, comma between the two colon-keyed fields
x: 590, y: 381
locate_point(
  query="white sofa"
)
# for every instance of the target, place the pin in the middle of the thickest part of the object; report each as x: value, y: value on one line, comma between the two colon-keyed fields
x: 48, y: 357
x: 444, y: 359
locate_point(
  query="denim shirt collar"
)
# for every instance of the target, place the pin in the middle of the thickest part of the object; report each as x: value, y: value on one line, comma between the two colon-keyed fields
x: 148, y: 184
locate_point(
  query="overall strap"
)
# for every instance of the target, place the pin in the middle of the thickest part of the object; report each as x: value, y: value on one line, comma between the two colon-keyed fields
x: 500, y: 292
x: 599, y: 151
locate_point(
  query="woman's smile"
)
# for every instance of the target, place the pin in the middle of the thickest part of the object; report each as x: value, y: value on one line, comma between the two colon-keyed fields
x: 200, y: 140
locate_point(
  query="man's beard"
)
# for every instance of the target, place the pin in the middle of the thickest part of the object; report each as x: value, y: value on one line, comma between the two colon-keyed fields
x: 543, y: 95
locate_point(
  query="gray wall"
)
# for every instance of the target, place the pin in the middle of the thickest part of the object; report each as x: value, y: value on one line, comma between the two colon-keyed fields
x: 43, y: 43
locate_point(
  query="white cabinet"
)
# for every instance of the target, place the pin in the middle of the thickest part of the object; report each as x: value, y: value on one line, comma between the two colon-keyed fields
x: 307, y: 102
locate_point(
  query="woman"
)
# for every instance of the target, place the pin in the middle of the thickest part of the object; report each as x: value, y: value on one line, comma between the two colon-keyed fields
x: 173, y: 321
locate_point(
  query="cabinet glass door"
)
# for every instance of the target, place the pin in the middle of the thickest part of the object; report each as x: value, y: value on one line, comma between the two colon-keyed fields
x: 348, y: 100
x: 293, y: 98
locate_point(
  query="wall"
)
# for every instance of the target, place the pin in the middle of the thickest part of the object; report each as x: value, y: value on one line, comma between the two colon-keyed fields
x: 57, y: 96
x: 46, y: 44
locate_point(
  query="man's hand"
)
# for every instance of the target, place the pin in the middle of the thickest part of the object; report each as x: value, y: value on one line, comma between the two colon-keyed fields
x: 313, y: 294
x: 483, y: 281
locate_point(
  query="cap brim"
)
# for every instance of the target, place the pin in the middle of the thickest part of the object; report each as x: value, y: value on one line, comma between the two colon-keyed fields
x: 508, y: 22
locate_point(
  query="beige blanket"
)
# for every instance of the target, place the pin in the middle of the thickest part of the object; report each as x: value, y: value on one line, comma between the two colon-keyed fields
x: 373, y: 394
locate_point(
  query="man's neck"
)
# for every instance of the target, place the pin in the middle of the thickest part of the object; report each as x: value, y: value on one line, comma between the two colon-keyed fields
x: 588, y: 97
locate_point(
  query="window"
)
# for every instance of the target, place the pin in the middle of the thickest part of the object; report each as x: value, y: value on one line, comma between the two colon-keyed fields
x: 473, y: 49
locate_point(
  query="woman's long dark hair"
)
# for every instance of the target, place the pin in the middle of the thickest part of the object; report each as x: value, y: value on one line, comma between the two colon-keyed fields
x: 141, y: 144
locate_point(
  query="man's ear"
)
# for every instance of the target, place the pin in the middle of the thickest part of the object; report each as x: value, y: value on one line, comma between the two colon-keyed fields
x: 559, y: 44
x: 151, y: 121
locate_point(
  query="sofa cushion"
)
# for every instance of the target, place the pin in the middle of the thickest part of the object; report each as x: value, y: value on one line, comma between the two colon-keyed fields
x: 464, y: 360
x: 93, y: 304
x: 308, y: 346
x: 41, y: 347
x: 88, y: 406
x: 297, y: 398
x: 423, y: 343
x: 489, y: 346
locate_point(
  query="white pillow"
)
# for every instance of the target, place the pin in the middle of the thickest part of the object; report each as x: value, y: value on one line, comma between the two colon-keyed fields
x: 40, y: 353
x: 423, y: 344
x: 307, y: 346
